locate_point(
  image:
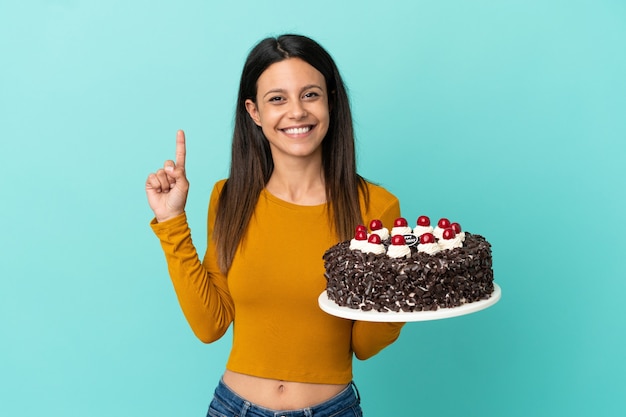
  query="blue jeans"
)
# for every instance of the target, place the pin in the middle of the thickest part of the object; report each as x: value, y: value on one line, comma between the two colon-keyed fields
x: 228, y: 404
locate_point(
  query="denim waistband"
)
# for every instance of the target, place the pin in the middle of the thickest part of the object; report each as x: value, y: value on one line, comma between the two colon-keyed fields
x: 227, y: 398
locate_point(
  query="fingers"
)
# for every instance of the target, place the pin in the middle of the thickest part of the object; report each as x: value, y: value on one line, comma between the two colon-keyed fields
x: 153, y: 184
x: 162, y: 181
x: 181, y: 150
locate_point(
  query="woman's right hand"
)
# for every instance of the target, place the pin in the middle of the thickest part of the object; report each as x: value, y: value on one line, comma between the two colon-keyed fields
x: 167, y: 188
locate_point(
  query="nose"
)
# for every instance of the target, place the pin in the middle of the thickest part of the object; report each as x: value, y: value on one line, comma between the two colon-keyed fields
x: 297, y: 110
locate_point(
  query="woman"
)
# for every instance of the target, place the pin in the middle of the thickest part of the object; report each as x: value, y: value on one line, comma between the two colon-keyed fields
x: 292, y: 192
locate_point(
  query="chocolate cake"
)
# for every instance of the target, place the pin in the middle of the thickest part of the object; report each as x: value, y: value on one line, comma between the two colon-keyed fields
x: 416, y: 282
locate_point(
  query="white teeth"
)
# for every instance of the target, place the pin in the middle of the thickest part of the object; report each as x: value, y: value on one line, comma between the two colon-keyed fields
x: 297, y: 130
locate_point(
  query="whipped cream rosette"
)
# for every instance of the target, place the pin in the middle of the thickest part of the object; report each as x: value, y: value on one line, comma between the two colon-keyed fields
x: 401, y: 227
x: 422, y: 226
x: 398, y: 248
x: 457, y: 229
x: 374, y: 245
x: 442, y: 225
x: 377, y: 228
x: 450, y: 240
x: 360, y: 239
x: 428, y: 244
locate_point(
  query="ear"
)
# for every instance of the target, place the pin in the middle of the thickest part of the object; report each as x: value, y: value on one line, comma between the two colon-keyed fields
x: 253, y: 111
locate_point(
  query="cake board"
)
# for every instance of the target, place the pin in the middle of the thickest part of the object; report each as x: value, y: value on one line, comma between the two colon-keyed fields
x: 334, y: 309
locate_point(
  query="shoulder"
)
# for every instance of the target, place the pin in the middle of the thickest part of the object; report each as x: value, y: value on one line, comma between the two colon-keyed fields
x: 379, y: 201
x: 379, y: 194
x: 219, y: 185
x: 217, y: 191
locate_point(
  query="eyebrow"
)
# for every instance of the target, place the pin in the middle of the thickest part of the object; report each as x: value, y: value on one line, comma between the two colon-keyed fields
x: 282, y: 90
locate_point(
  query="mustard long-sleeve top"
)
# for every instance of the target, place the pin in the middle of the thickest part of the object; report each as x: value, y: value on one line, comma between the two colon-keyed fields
x: 270, y: 292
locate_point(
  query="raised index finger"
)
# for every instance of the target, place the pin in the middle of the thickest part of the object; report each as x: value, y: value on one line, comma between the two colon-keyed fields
x: 181, y: 151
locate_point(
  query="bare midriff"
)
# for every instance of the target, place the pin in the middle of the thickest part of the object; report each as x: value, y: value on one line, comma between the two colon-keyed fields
x: 280, y: 395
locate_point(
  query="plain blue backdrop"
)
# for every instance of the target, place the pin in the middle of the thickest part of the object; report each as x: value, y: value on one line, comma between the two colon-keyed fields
x: 508, y: 116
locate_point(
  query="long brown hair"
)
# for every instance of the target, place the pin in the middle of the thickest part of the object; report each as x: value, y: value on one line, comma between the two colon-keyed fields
x: 251, y: 160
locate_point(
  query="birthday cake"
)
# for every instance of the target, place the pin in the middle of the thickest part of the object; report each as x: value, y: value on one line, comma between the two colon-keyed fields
x: 409, y: 269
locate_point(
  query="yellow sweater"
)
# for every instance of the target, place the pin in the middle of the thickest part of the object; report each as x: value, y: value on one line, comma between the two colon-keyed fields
x: 270, y: 293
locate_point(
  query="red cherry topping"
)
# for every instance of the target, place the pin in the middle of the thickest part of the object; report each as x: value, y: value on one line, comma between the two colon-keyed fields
x: 360, y: 228
x: 443, y: 223
x: 376, y: 224
x: 375, y: 239
x: 456, y: 227
x: 398, y: 240
x: 360, y: 235
x: 423, y: 221
x: 449, y: 234
x: 427, y: 238
x: 400, y: 222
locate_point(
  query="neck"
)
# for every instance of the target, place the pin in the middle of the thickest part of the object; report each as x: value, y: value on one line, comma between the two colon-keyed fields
x: 301, y: 184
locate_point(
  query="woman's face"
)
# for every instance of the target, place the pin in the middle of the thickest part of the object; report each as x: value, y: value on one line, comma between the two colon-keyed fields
x: 292, y: 109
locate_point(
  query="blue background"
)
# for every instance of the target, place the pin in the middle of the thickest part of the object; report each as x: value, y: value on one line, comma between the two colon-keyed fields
x: 508, y: 116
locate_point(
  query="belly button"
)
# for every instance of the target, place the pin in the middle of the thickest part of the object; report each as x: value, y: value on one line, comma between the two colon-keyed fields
x: 281, y: 388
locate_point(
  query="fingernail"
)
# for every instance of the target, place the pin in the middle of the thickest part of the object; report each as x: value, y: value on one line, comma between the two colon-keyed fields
x: 169, y: 168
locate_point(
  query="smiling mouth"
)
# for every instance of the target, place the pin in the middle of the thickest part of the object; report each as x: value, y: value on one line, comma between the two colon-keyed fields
x: 298, y: 130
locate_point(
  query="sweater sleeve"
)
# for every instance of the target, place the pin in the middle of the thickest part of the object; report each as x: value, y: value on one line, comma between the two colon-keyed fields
x: 201, y: 288
x: 369, y: 338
